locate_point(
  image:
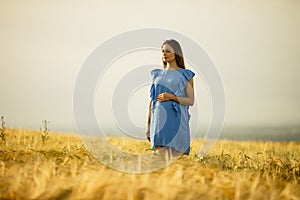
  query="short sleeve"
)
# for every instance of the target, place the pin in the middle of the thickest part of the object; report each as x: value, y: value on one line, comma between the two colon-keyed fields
x: 152, y: 92
x: 188, y: 74
x: 154, y: 73
x: 185, y: 77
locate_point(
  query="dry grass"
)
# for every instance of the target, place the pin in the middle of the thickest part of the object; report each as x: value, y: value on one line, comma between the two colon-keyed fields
x: 63, y: 169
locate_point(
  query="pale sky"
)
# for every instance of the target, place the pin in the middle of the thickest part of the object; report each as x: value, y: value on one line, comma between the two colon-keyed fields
x: 254, y: 44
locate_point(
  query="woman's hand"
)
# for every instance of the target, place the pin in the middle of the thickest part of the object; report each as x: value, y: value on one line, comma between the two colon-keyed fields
x: 148, y: 134
x: 165, y: 97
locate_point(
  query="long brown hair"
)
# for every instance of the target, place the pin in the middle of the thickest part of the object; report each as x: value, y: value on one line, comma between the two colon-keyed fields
x: 178, y: 53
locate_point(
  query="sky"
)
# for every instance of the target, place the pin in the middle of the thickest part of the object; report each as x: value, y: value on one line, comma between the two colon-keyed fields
x: 255, y: 46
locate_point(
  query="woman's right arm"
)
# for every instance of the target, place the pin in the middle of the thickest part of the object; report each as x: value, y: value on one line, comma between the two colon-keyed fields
x: 148, y: 121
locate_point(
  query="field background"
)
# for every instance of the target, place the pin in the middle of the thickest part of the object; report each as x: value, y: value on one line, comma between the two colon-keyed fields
x: 63, y: 169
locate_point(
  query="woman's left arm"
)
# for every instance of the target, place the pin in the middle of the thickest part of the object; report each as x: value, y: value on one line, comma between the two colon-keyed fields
x: 188, y: 100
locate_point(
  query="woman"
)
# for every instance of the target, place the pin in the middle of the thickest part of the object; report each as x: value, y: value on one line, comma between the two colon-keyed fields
x: 171, y: 95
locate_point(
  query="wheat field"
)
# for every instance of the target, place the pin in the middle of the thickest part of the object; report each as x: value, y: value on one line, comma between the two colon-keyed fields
x: 62, y: 168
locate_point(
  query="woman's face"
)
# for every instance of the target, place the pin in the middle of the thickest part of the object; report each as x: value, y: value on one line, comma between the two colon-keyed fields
x: 167, y: 53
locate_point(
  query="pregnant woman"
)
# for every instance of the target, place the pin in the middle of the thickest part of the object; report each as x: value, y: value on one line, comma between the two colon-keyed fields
x: 172, y: 92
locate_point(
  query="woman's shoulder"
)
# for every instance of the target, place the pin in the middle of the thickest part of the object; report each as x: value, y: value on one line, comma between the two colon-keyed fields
x: 155, y: 72
x: 187, y: 73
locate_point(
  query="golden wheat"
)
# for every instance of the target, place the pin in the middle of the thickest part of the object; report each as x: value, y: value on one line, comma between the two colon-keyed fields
x: 63, y: 169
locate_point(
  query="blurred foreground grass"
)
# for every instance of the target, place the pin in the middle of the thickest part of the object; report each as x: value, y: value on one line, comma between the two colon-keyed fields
x: 63, y: 169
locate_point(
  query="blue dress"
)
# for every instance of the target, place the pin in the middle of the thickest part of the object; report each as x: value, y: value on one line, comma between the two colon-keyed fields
x: 169, y: 124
